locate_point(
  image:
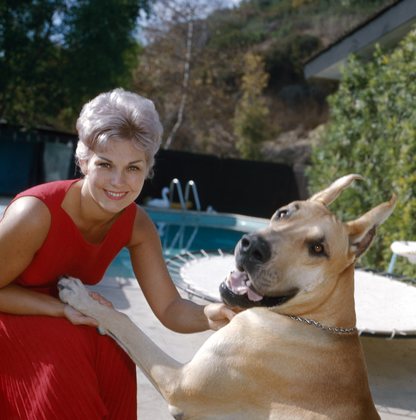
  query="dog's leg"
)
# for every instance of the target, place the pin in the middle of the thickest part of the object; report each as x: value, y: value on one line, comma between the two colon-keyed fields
x: 162, y: 370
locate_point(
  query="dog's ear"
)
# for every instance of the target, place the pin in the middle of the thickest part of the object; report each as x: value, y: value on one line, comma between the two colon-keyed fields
x: 362, y: 230
x: 328, y: 195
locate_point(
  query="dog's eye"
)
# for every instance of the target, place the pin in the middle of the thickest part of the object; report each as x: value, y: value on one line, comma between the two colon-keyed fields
x: 281, y: 213
x: 317, y: 248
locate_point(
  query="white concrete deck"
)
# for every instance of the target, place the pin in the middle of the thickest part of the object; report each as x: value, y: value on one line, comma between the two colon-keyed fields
x: 126, y: 296
x: 391, y: 363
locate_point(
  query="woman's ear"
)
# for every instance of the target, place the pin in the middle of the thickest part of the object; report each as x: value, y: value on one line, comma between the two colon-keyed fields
x: 83, y: 166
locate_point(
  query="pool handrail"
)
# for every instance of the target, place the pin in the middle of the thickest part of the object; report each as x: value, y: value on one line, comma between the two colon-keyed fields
x: 184, y: 201
x: 176, y: 183
x: 191, y: 186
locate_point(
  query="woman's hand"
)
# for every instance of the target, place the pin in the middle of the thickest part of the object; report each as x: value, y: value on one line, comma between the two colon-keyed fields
x: 77, y: 318
x: 218, y: 315
x: 101, y: 299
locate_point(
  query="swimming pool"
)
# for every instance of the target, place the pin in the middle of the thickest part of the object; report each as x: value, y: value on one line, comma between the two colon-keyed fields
x: 189, y: 231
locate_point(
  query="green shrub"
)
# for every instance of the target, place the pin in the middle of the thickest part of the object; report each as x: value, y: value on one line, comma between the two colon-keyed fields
x: 372, y: 131
x: 250, y: 119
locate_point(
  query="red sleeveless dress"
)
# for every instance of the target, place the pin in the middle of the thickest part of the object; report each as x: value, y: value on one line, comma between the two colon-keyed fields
x: 50, y: 368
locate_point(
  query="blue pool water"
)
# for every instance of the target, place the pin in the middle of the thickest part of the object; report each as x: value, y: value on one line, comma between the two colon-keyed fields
x: 192, y: 231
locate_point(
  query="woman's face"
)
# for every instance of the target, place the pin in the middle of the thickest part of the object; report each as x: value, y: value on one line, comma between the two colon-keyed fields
x: 115, y: 174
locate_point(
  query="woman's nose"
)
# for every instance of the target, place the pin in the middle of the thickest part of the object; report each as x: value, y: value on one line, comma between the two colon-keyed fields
x: 117, y: 178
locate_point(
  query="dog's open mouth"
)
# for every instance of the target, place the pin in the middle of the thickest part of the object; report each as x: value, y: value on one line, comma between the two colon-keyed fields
x: 240, y: 284
x: 238, y: 290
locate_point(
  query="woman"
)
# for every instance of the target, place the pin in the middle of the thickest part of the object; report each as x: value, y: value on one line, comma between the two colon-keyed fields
x: 53, y: 365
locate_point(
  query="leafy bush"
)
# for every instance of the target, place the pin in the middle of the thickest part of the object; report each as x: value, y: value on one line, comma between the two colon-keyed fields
x: 56, y: 54
x: 250, y: 120
x: 372, y: 131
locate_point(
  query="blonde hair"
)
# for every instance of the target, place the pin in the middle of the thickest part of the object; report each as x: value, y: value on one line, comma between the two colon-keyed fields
x: 119, y: 115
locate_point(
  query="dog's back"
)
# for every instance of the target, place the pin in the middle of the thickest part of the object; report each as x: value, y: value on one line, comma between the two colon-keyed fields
x: 265, y: 365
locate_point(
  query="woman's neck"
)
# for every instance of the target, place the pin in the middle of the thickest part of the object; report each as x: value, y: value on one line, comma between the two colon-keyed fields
x: 85, y: 212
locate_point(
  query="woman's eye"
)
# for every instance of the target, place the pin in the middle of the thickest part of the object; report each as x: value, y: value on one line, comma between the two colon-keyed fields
x: 103, y: 165
x: 133, y: 168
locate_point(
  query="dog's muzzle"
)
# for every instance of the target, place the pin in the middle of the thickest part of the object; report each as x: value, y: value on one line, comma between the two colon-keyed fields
x: 251, y: 253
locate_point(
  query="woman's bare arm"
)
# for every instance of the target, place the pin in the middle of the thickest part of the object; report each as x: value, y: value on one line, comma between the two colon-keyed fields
x: 172, y: 310
x: 23, y: 229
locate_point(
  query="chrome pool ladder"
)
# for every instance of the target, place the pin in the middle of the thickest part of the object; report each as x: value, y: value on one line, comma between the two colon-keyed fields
x: 190, y: 187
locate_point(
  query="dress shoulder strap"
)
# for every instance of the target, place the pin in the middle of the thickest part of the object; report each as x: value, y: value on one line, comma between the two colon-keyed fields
x: 51, y: 193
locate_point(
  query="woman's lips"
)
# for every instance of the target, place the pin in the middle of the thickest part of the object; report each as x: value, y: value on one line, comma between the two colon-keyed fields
x: 112, y: 195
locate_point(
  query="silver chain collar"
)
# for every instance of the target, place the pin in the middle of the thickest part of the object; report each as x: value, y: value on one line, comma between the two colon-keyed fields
x: 333, y: 330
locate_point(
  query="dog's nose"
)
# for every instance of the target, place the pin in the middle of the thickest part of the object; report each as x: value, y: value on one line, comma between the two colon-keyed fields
x: 255, y: 247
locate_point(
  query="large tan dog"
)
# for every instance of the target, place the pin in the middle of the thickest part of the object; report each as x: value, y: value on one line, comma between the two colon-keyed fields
x: 295, y: 353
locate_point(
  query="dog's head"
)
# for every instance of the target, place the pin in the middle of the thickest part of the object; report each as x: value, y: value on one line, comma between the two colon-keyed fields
x: 301, y: 255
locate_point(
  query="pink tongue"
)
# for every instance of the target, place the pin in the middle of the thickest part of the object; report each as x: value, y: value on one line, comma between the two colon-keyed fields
x: 253, y: 296
x: 237, y: 283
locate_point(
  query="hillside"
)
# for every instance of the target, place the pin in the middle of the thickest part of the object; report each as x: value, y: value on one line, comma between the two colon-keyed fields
x: 284, y: 33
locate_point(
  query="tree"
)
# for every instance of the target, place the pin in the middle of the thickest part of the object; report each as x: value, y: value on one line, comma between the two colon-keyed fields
x: 201, y: 114
x: 175, y: 36
x: 372, y: 131
x: 250, y: 121
x: 29, y: 60
x: 56, y: 54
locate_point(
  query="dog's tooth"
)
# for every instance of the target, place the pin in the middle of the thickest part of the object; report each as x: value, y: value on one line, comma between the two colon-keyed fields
x: 228, y: 281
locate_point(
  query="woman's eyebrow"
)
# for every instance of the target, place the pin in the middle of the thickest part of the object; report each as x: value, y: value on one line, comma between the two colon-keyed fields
x: 130, y: 163
x: 103, y: 158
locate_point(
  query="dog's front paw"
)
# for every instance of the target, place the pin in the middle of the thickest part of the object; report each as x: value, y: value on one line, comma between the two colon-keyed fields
x: 73, y: 292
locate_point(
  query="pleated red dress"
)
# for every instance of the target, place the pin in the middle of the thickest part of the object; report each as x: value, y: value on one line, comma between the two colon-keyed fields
x: 50, y: 368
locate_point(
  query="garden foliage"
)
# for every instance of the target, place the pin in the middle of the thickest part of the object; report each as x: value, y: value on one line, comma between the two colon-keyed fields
x: 372, y: 132
x: 250, y: 120
x: 56, y: 54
